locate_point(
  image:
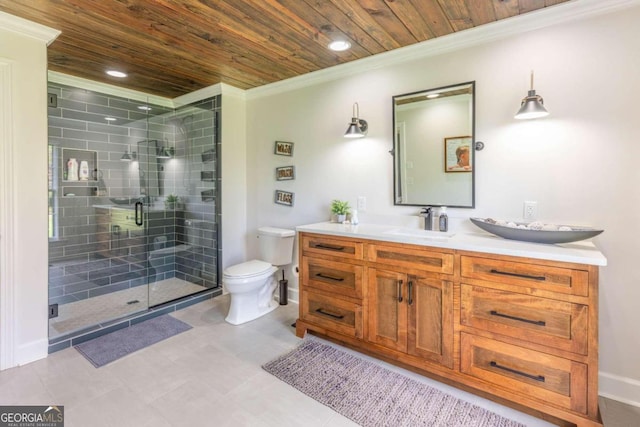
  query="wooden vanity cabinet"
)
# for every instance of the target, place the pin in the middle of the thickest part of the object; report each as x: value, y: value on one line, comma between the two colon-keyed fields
x: 521, y: 331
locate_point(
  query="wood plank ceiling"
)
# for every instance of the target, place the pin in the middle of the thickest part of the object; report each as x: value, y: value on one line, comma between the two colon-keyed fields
x: 171, y: 47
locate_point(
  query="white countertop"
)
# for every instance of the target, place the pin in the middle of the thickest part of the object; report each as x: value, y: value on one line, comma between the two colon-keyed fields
x: 582, y: 252
x: 131, y: 208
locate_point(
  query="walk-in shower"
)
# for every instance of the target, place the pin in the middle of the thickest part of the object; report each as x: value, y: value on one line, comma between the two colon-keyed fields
x: 140, y: 229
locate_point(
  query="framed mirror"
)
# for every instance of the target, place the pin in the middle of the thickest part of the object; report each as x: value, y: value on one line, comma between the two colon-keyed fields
x: 433, y: 141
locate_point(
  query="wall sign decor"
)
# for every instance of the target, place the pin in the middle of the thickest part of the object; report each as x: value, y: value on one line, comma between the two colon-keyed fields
x: 285, y: 173
x: 457, y: 154
x: 283, y: 148
x: 284, y: 198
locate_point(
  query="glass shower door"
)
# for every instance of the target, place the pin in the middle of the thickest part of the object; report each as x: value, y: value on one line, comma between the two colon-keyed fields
x: 98, y: 245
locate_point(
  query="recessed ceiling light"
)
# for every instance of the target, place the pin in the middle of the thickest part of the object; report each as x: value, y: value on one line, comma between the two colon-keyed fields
x: 433, y: 95
x: 110, y: 119
x: 339, y: 45
x: 116, y: 73
x: 144, y: 107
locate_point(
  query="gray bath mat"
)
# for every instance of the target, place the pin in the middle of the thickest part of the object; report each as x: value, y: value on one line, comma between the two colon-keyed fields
x: 107, y: 348
x: 371, y: 395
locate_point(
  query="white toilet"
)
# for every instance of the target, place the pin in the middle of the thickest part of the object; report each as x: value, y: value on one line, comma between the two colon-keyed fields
x: 253, y: 283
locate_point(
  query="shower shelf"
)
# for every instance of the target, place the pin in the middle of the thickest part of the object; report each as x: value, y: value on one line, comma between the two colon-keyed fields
x: 207, y: 176
x: 91, y: 157
x: 79, y: 191
x: 208, y: 156
x: 208, y: 195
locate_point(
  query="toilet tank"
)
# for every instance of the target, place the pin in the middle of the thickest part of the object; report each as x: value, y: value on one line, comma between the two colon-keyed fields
x: 276, y: 245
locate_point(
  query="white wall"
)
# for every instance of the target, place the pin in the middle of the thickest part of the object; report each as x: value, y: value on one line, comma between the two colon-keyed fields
x: 23, y: 190
x: 234, y: 179
x: 579, y: 164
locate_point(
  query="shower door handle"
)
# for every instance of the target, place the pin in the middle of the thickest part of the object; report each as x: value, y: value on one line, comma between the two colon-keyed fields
x: 139, y: 213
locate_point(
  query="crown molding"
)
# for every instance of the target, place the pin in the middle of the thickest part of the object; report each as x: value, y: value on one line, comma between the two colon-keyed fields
x: 562, y: 13
x: 209, y: 92
x: 28, y: 28
x: 79, y: 82
x: 189, y: 98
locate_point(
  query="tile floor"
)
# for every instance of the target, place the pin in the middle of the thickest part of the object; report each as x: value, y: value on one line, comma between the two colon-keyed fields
x: 77, y: 315
x: 208, y: 376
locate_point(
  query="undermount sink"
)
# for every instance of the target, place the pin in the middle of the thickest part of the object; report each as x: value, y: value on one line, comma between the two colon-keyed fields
x: 416, y: 233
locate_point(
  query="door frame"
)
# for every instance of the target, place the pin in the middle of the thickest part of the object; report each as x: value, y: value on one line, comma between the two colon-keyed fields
x: 7, y: 220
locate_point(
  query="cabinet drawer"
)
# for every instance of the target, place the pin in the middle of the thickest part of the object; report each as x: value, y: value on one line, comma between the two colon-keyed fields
x: 337, y: 277
x: 332, y: 313
x: 552, y: 379
x: 349, y: 249
x: 557, y: 324
x: 413, y: 258
x: 555, y: 279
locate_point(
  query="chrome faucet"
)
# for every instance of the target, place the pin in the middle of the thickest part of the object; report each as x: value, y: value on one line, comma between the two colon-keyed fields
x: 426, y: 213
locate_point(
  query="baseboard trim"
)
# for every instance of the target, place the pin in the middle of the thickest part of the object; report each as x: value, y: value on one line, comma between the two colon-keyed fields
x: 622, y: 389
x: 294, y: 296
x: 31, y: 352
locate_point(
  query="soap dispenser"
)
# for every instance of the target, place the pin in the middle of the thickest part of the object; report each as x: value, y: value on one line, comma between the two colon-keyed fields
x: 354, y: 217
x: 443, y: 220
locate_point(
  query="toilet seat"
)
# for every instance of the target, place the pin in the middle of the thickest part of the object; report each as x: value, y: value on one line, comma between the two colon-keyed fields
x: 247, y: 269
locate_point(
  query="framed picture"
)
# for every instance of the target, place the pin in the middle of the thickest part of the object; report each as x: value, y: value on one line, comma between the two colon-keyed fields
x: 285, y: 173
x: 284, y: 198
x: 284, y: 148
x: 457, y: 154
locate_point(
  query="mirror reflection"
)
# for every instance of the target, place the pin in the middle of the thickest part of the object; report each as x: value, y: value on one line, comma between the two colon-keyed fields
x: 434, y: 160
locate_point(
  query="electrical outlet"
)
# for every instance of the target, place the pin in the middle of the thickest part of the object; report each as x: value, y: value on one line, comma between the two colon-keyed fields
x: 530, y: 210
x: 362, y: 203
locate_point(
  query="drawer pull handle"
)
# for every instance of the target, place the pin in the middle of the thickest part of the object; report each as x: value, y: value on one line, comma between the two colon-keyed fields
x: 400, y: 291
x: 515, y: 371
x: 326, y: 313
x: 524, y: 276
x: 520, y: 319
x: 326, y: 276
x: 329, y: 247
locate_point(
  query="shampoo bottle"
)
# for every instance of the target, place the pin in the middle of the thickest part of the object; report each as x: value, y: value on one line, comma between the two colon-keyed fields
x: 443, y: 219
x: 84, y: 171
x: 72, y: 170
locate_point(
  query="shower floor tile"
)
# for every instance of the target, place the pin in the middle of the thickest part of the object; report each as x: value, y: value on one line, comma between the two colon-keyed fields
x: 92, y: 311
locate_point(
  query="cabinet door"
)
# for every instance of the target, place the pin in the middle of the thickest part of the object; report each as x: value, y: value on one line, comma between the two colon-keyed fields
x: 430, y: 334
x: 387, y: 319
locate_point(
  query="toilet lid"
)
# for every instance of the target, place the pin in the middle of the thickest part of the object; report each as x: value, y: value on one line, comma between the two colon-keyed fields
x: 249, y: 268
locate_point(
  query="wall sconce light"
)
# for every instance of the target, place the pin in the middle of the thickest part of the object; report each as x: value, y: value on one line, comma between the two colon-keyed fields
x: 358, y: 127
x: 532, y: 106
x: 126, y: 157
x: 165, y: 152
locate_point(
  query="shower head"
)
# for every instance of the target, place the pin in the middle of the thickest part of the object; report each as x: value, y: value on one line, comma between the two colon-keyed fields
x: 181, y: 123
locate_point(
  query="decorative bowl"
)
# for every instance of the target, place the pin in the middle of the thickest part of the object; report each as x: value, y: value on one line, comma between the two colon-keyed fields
x: 537, y: 236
